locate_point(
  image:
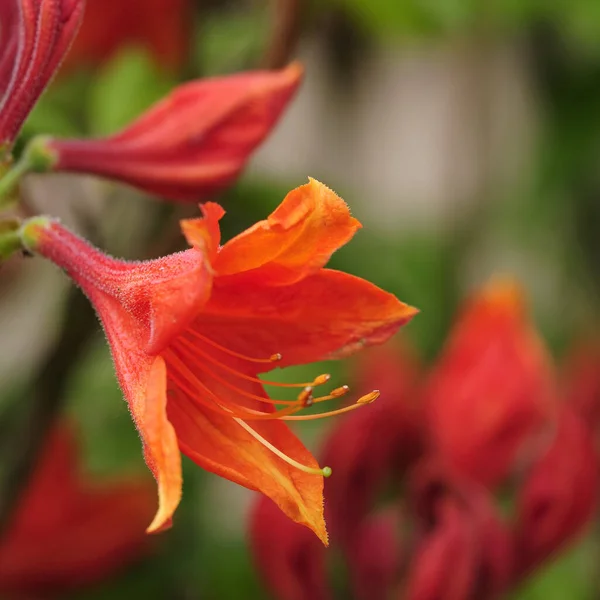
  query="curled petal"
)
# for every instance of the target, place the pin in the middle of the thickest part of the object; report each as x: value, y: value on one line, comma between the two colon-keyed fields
x: 296, y: 240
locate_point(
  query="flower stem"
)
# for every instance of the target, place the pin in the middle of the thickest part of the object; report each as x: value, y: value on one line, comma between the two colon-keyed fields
x: 10, y: 242
x: 10, y: 180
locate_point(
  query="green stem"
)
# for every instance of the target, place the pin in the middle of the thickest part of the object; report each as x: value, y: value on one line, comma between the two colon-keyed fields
x: 11, y: 179
x: 10, y: 242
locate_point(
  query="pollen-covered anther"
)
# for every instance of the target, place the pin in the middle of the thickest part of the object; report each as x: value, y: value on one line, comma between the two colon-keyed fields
x: 340, y: 391
x: 369, y: 398
x: 275, y: 357
x: 305, y: 397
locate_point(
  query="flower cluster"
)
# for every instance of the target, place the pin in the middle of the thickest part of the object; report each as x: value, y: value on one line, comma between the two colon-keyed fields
x: 461, y: 481
x: 190, y: 333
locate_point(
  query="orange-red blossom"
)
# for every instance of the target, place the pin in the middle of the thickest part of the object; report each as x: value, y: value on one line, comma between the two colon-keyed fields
x: 190, y: 333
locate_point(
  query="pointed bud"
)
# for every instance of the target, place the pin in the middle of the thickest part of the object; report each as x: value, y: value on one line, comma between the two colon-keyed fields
x: 492, y: 389
x: 193, y: 143
x: 39, y: 33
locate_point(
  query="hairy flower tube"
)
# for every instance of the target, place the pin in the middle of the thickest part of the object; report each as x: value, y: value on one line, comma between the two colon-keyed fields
x: 191, y: 332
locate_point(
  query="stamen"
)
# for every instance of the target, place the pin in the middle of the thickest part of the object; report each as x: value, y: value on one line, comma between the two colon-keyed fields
x: 325, y: 471
x: 272, y: 358
x: 319, y: 380
x: 362, y: 401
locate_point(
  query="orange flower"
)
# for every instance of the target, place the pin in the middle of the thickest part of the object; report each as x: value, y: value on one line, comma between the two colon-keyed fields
x: 161, y: 26
x: 68, y: 533
x: 191, y: 144
x: 36, y: 34
x: 492, y: 387
x: 190, y: 333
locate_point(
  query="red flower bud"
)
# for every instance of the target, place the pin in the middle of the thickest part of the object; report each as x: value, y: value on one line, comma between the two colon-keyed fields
x: 38, y: 34
x: 193, y: 143
x: 445, y: 563
x: 559, y: 496
x: 492, y: 388
x: 288, y: 557
x: 368, y: 449
x: 375, y: 557
x: 460, y: 527
x: 581, y: 379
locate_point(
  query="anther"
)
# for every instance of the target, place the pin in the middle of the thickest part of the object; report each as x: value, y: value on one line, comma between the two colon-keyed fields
x: 368, y: 398
x: 275, y: 357
x: 339, y: 392
x: 305, y: 397
x: 321, y: 379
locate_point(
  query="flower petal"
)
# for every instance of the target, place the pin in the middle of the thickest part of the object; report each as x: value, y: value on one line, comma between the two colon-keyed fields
x: 144, y: 382
x: 295, y: 241
x: 329, y: 314
x: 160, y: 446
x: 218, y: 443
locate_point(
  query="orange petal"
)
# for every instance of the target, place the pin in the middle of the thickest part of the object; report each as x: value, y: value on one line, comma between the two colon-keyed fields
x: 221, y: 445
x: 160, y: 446
x: 144, y: 383
x: 296, y: 240
x: 325, y: 315
x: 204, y: 233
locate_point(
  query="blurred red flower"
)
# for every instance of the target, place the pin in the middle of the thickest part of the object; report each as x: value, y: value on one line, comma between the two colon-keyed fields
x: 492, y: 387
x: 69, y: 532
x: 410, y: 508
x: 191, y: 144
x: 160, y: 26
x: 369, y: 449
x: 559, y: 496
x: 288, y: 556
x: 191, y: 332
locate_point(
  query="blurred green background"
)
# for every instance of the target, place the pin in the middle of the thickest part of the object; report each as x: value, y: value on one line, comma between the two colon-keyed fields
x: 464, y: 134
